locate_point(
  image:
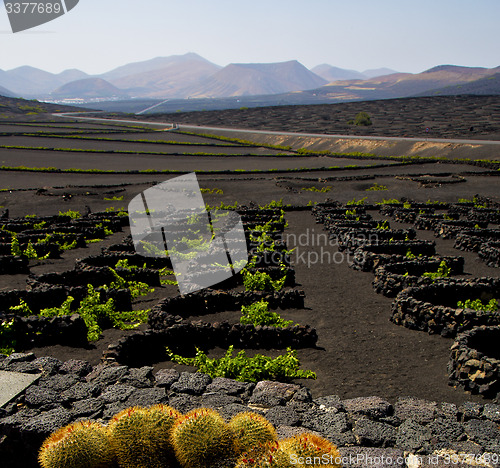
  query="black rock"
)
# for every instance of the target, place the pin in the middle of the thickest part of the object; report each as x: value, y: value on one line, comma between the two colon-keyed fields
x: 77, y: 367
x: 374, y: 434
x: 147, y: 397
x: 283, y: 416
x: 373, y: 407
x: 422, y: 411
x: 91, y: 408
x: 192, y: 383
x: 166, y: 377
x: 117, y: 393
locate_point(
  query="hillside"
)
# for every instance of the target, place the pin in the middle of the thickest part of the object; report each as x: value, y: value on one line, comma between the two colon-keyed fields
x: 240, y: 79
x: 484, y: 86
x: 163, y: 77
x: 6, y: 92
x: 331, y: 73
x: 400, y: 84
x: 15, y: 107
x: 89, y: 88
x: 30, y: 81
x: 445, y: 116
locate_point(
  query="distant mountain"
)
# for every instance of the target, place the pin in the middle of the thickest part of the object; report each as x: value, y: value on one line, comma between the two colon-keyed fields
x: 5, y: 92
x: 398, y: 84
x: 489, y: 85
x: 162, y: 77
x: 20, y: 107
x: 378, y: 72
x: 30, y: 81
x: 87, y: 89
x: 157, y: 63
x: 72, y: 75
x: 244, y: 79
x: 330, y: 73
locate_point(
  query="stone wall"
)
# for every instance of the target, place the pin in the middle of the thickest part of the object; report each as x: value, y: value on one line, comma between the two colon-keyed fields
x: 362, y: 428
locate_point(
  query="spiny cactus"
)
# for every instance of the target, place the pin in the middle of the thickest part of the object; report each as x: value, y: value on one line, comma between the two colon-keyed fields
x: 250, y: 430
x: 267, y: 455
x: 200, y: 437
x: 303, y: 448
x: 141, y: 437
x: 80, y: 445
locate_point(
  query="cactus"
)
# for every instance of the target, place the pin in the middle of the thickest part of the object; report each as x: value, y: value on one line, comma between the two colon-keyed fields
x: 201, y: 437
x: 304, y: 449
x: 251, y: 430
x: 141, y: 437
x: 80, y: 445
x: 267, y: 455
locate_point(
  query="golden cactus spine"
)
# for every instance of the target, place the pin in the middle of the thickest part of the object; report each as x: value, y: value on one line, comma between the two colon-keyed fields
x: 200, y: 437
x: 306, y: 449
x: 141, y: 438
x: 83, y: 444
x: 251, y: 430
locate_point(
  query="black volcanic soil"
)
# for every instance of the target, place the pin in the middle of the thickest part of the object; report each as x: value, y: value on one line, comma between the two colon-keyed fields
x: 471, y: 117
x: 359, y: 351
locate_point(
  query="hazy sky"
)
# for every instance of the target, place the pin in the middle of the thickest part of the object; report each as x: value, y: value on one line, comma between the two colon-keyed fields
x: 404, y: 35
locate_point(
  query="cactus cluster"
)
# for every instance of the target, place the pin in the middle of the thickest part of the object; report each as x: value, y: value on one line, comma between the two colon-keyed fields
x: 161, y: 437
x: 80, y: 445
x: 303, y: 450
x: 140, y: 437
x: 201, y: 437
x: 251, y: 430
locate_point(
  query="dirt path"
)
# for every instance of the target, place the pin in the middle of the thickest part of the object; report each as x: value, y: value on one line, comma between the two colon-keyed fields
x: 361, y: 353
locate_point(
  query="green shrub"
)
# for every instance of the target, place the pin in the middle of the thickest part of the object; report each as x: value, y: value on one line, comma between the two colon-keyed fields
x: 361, y: 201
x: 376, y: 187
x: 361, y: 119
x: 315, y: 189
x: 261, y: 281
x: 443, y: 271
x: 7, y: 341
x: 383, y: 225
x: 72, y: 214
x: 477, y: 304
x: 247, y: 369
x: 258, y: 313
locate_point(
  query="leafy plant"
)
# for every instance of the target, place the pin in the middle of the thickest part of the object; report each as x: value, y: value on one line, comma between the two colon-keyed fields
x: 15, y: 248
x: 410, y: 255
x: 315, y: 189
x: 214, y: 191
x: 136, y: 288
x: 361, y: 119
x: 382, y: 225
x: 261, y: 281
x: 389, y: 201
x: 114, y: 198
x: 477, y: 304
x: 258, y: 313
x: 247, y: 369
x: 376, y: 187
x: 72, y: 214
x: 94, y: 312
x: 7, y: 341
x: 443, y: 271
x: 361, y: 201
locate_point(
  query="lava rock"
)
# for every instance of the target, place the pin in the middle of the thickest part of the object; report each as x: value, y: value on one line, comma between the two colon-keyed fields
x: 192, y: 383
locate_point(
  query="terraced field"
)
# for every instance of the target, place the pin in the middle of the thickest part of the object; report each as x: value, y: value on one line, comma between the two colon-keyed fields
x: 334, y: 240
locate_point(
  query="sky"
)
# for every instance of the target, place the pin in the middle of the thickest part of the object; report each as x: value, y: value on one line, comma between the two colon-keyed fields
x: 404, y: 35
